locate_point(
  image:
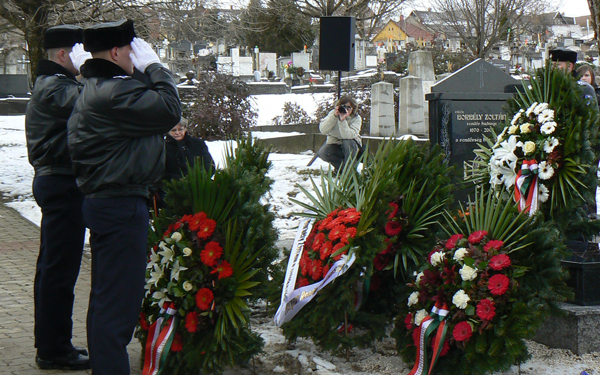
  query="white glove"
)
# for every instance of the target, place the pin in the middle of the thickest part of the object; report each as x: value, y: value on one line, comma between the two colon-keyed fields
x: 143, y: 55
x: 79, y: 56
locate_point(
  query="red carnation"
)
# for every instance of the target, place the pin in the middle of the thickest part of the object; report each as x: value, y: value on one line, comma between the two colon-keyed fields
x: 499, y: 262
x: 302, y: 282
x: 194, y: 221
x: 326, y: 250
x: 177, y: 345
x: 191, y: 322
x: 498, y: 284
x: 203, y: 298
x: 337, y: 232
x: 206, y: 229
x: 350, y: 233
x: 393, y: 228
x: 493, y: 244
x: 416, y: 335
x: 318, y: 241
x: 224, y: 269
x: 477, y: 236
x: 462, y: 331
x: 315, y: 270
x: 394, y: 211
x: 486, y: 309
x: 143, y: 323
x: 451, y: 243
x: 408, y: 321
x: 211, y: 253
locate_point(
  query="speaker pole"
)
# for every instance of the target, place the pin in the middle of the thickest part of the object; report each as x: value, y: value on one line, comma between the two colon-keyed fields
x: 339, y: 88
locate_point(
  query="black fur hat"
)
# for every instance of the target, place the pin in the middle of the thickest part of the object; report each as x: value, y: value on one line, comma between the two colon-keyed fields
x: 107, y: 35
x: 563, y: 54
x: 62, y: 36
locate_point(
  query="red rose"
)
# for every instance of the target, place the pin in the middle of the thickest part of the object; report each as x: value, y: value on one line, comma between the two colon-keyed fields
x: 350, y: 233
x: 408, y: 321
x: 393, y: 228
x: 394, y: 210
x: 337, y: 232
x: 477, y: 236
x: 499, y: 262
x: 451, y: 243
x: 191, y: 322
x: 493, y: 244
x: 462, y: 331
x: 498, y: 284
x: 177, y: 345
x: 203, y: 298
x: 486, y: 309
x: 211, y: 253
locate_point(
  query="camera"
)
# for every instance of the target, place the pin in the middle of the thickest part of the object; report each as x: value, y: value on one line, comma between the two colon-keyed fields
x: 343, y: 109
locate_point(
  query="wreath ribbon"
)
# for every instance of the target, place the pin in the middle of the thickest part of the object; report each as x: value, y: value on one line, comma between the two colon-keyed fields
x: 159, y: 341
x: 526, y: 187
x: 436, y: 320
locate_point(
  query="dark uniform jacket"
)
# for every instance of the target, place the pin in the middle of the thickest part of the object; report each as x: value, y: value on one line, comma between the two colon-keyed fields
x: 54, y: 95
x: 184, y: 152
x: 116, y: 131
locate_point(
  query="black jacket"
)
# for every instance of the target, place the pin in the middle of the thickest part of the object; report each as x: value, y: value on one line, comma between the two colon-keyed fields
x: 180, y: 153
x: 116, y: 129
x: 52, y: 101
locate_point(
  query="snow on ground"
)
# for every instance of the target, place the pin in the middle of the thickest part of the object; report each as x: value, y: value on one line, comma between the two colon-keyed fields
x: 288, y: 170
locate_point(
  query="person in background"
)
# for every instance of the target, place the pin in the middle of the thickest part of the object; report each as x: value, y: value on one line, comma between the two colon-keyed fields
x: 62, y: 229
x: 585, y: 73
x: 342, y: 126
x: 565, y: 59
x: 116, y: 142
x: 183, y: 149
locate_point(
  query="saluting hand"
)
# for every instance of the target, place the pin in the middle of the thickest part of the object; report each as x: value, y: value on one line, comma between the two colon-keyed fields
x: 143, y: 55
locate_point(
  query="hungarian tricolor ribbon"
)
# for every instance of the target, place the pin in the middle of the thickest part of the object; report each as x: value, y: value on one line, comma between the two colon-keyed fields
x: 526, y: 187
x: 160, y: 338
x: 436, y: 320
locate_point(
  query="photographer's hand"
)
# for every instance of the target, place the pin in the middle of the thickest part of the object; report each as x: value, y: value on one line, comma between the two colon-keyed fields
x: 337, y: 111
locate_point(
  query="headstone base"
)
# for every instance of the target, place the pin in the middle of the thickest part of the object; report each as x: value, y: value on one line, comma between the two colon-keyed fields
x: 578, y: 330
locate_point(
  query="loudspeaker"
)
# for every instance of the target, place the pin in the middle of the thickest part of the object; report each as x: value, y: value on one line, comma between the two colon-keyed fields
x: 336, y: 43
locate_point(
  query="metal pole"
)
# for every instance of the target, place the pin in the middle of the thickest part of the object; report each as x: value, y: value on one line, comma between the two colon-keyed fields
x: 339, y: 84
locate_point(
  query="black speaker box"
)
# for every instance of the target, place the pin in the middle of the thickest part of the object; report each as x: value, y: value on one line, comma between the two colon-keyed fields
x: 336, y: 43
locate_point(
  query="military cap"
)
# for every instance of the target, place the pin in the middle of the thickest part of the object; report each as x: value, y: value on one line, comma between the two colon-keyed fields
x: 62, y: 36
x: 108, y: 35
x: 563, y: 54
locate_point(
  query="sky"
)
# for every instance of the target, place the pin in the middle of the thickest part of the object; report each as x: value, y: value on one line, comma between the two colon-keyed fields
x: 573, y: 8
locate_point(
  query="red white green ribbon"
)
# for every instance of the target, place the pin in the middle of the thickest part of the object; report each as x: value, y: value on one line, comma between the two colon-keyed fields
x: 160, y: 338
x: 434, y: 321
x: 526, y: 187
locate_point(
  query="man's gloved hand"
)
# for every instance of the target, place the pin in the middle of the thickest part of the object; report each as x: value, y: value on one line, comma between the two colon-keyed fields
x: 143, y: 55
x: 79, y: 56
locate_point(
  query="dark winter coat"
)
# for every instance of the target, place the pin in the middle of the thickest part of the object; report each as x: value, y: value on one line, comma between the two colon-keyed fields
x: 180, y: 153
x: 52, y: 101
x: 116, y: 131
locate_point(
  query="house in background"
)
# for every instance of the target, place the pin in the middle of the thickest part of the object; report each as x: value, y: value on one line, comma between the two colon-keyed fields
x: 395, y: 35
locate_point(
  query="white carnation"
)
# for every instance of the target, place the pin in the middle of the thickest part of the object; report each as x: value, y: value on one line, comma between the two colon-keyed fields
x: 460, y: 253
x: 460, y: 299
x: 419, y: 316
x: 413, y: 298
x: 468, y: 273
x: 437, y: 258
x: 419, y: 277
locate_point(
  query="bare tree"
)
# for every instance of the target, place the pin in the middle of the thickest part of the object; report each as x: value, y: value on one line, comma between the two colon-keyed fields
x: 481, y: 24
x: 594, y: 6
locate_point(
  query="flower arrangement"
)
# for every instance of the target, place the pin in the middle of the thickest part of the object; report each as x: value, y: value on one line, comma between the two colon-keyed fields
x: 195, y: 273
x: 289, y: 67
x: 328, y: 241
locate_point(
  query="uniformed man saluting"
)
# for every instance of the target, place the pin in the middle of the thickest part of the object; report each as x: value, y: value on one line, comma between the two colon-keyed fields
x: 62, y: 230
x: 117, y: 147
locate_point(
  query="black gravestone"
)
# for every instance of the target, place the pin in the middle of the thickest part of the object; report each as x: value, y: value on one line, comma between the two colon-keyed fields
x: 16, y: 85
x: 465, y: 106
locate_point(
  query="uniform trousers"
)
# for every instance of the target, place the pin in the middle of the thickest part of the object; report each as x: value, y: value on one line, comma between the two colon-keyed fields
x: 57, y: 268
x: 119, y: 236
